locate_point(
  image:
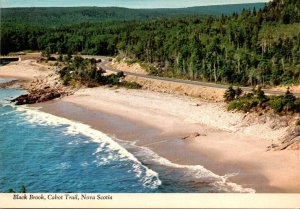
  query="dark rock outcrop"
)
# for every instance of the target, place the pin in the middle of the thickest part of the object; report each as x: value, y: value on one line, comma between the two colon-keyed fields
x: 8, y: 84
x: 38, y: 96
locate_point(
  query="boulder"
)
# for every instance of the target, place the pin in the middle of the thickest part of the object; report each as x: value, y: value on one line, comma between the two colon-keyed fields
x: 38, y: 96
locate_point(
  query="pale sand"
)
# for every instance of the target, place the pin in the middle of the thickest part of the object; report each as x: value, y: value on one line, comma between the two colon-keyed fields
x: 154, y: 107
x: 221, y: 151
x: 25, y: 70
x: 227, y: 148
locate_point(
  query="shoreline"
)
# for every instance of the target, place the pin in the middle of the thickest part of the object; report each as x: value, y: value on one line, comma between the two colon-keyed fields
x: 202, y: 151
x: 224, y: 146
x: 155, y: 140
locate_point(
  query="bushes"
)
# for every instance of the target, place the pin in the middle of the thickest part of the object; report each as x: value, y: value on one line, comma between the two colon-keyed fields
x: 115, y: 80
x: 286, y: 103
x: 243, y: 104
x: 130, y: 85
x: 276, y: 104
x: 289, y: 101
x: 229, y: 94
x: 85, y: 72
x: 111, y: 79
x: 257, y: 99
x: 152, y: 71
x: 131, y: 61
x: 260, y: 94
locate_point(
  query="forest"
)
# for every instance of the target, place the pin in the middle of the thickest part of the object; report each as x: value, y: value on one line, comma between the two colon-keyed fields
x: 57, y: 16
x: 257, y: 46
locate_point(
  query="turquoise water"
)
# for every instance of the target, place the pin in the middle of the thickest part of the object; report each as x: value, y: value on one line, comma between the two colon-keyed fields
x: 52, y: 156
x: 46, y: 153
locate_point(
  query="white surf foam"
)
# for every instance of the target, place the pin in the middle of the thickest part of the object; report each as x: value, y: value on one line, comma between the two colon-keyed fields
x: 148, y: 177
x: 196, y: 171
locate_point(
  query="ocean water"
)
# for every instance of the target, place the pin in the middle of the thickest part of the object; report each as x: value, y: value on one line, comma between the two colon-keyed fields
x: 46, y: 153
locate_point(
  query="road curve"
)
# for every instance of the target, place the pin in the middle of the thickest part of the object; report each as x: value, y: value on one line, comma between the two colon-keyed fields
x: 104, y: 66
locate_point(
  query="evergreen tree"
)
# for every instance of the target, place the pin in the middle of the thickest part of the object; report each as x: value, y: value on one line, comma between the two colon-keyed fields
x: 289, y: 100
x: 230, y: 94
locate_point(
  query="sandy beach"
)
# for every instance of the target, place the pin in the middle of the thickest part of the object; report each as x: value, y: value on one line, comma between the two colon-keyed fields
x: 25, y: 70
x: 226, y: 142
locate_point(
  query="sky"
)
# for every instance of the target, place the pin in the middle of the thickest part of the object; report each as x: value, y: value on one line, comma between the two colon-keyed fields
x: 120, y: 3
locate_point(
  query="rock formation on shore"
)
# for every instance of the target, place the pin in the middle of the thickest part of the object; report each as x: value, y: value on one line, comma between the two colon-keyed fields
x: 291, y: 141
x: 42, y: 95
x: 43, y: 89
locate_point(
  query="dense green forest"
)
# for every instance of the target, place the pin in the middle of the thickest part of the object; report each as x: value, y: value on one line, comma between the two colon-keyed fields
x: 56, y: 16
x: 254, y: 46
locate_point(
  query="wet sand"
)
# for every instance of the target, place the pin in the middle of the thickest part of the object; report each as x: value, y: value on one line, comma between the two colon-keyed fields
x: 159, y: 121
x: 220, y: 152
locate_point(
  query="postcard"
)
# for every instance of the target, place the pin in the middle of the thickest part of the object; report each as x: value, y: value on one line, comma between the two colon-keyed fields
x: 150, y: 104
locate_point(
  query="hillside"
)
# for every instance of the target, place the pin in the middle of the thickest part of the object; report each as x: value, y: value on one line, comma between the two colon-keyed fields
x: 71, y: 15
x: 253, y: 47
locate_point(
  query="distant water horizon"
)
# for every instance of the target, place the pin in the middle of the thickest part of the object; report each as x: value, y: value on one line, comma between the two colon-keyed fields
x: 135, y: 4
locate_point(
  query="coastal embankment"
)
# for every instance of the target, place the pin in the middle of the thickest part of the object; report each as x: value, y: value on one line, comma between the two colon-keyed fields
x: 185, y: 131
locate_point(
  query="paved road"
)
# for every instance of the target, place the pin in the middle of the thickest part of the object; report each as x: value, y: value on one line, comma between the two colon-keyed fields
x: 196, y: 83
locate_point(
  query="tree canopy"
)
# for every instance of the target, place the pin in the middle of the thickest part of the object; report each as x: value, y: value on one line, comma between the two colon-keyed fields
x: 251, y: 47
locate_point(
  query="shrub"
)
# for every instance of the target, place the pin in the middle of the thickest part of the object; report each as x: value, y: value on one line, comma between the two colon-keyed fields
x: 112, y: 79
x: 51, y: 59
x: 152, y: 71
x: 66, y: 79
x: 131, y: 61
x: 297, y: 105
x: 260, y: 94
x: 130, y: 85
x: 276, y: 103
x: 289, y: 101
x: 67, y: 58
x: 230, y: 94
x: 121, y: 74
x: 238, y: 92
x: 60, y: 58
x: 249, y: 95
x: 243, y: 104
